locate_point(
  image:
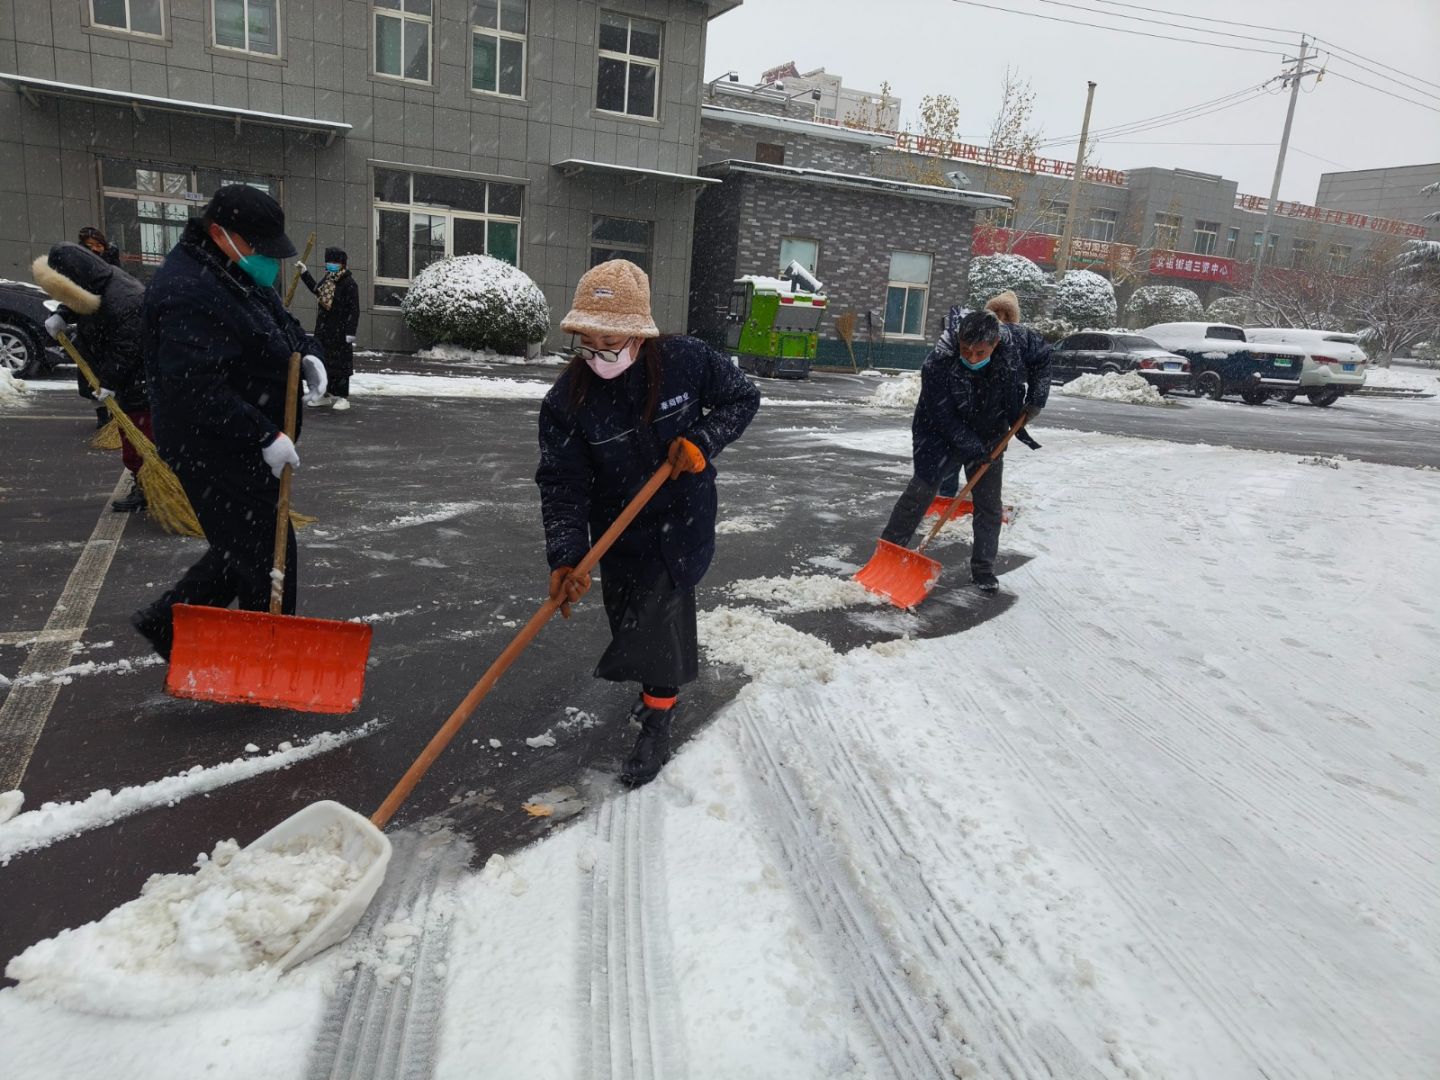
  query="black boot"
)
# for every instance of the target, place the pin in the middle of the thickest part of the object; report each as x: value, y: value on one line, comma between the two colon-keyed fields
x: 985, y: 581
x: 652, y: 748
x: 156, y: 625
x: 130, y: 502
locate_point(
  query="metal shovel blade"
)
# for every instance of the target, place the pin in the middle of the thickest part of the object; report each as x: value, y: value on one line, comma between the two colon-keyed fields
x: 902, y: 576
x: 276, y: 661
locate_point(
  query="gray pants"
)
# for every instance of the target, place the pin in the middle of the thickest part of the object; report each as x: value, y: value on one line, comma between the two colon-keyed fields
x: 916, y: 498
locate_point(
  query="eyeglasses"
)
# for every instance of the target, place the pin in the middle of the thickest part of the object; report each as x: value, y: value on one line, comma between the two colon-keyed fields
x: 605, y: 356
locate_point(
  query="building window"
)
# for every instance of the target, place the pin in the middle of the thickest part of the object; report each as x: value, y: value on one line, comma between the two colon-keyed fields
x: 1340, y: 257
x: 146, y: 206
x: 1166, y: 236
x: 1052, y: 218
x: 402, y: 39
x: 1102, y: 225
x: 497, y: 47
x: 620, y: 238
x: 1000, y: 217
x: 770, y: 153
x: 1302, y: 252
x: 247, y: 25
x: 798, y: 249
x: 628, y: 76
x: 129, y: 16
x: 1207, y: 236
x: 1270, y: 247
x: 421, y: 218
x: 1232, y: 243
x: 907, y: 294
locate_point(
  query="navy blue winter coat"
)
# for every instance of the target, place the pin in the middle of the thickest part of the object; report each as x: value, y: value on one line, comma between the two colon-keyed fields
x: 962, y: 413
x: 595, y: 457
x: 217, y: 354
x: 105, y: 303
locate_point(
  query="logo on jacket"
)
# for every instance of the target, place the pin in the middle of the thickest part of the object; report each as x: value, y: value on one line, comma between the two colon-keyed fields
x: 678, y: 399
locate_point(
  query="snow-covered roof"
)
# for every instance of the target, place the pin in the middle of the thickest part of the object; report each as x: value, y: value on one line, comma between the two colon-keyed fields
x: 979, y: 200
x: 571, y: 166
x: 798, y: 127
x: 30, y: 87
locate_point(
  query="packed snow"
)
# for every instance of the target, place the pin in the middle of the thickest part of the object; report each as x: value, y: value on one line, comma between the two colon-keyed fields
x: 446, y: 386
x: 458, y: 354
x: 10, y: 803
x: 899, y: 392
x: 822, y: 592
x: 1125, y: 387
x: 12, y: 390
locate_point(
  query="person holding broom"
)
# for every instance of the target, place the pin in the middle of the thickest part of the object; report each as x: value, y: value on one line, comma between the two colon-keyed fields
x: 338, y: 299
x: 105, y: 304
x: 977, y: 381
x: 629, y: 401
x: 218, y: 342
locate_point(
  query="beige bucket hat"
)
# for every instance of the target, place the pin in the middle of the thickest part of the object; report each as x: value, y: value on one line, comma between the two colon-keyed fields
x: 612, y: 298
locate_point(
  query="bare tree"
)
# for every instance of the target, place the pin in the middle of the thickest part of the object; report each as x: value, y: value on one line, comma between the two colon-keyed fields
x: 1015, y: 141
x: 1397, y: 308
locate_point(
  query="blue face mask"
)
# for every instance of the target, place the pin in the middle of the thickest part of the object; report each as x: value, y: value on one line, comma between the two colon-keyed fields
x: 333, y: 268
x: 975, y: 367
x: 261, y: 269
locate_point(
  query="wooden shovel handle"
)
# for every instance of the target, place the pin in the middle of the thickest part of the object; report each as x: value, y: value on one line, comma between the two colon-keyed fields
x: 517, y: 645
x: 954, y: 510
x: 282, y: 510
x: 294, y: 281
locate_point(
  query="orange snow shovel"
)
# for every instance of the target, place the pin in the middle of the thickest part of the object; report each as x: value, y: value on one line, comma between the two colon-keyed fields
x: 278, y: 661
x: 905, y: 576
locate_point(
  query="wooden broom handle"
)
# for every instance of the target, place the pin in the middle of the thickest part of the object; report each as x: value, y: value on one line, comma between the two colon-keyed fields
x: 282, y: 510
x: 954, y: 510
x: 515, y: 648
x: 294, y: 281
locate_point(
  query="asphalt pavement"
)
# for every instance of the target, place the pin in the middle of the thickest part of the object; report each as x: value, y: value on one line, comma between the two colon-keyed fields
x: 429, y: 528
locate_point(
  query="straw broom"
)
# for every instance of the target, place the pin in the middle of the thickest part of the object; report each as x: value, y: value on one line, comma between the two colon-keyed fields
x: 107, y: 438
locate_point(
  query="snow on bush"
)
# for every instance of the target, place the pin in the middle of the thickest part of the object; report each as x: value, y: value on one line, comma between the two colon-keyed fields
x: 1126, y: 387
x: 993, y: 274
x: 478, y: 303
x: 11, y: 388
x: 1084, y: 298
x: 1052, y: 329
x: 1152, y: 304
x: 898, y: 393
x: 1235, y: 310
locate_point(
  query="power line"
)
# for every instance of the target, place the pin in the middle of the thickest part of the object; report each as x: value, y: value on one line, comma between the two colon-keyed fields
x: 1199, y: 18
x: 1332, y: 47
x: 1140, y: 127
x: 1116, y: 29
x: 1382, y: 90
x: 1389, y: 78
x: 1161, y: 22
x: 1317, y: 157
x: 1115, y: 129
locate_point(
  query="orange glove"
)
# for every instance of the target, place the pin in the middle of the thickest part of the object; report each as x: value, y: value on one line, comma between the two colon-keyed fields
x: 685, y: 457
x: 568, y: 587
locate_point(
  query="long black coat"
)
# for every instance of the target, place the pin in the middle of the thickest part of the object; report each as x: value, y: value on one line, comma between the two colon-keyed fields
x: 217, y: 355
x: 595, y: 457
x: 962, y: 413
x: 332, y: 327
x: 105, y: 303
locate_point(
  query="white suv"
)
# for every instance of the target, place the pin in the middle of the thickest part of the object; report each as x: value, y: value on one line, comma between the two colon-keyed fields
x: 1334, y: 362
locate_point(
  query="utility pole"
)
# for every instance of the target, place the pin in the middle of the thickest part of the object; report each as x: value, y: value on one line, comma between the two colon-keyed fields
x: 1293, y: 78
x: 1062, y: 256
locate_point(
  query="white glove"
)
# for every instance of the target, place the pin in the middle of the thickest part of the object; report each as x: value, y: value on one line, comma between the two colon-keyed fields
x: 313, y: 372
x: 102, y: 394
x: 349, y: 339
x: 300, y: 266
x: 280, y: 453
x: 56, y: 325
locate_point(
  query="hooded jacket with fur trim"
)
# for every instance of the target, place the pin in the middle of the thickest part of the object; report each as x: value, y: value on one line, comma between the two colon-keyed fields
x: 106, y: 305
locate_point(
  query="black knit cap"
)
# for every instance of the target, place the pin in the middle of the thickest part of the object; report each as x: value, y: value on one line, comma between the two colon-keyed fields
x: 337, y: 255
x: 249, y: 212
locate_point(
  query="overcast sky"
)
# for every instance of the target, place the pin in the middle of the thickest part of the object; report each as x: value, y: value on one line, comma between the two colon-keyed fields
x: 944, y: 47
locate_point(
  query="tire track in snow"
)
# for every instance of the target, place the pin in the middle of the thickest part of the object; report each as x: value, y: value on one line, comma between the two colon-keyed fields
x: 634, y: 1028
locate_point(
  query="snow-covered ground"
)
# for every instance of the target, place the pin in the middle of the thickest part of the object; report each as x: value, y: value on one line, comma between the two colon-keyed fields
x: 1408, y: 378
x: 1172, y: 813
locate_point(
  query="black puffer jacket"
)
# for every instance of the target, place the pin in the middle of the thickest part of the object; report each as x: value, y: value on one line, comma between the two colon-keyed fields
x: 595, y: 457
x: 105, y: 303
x: 217, y: 354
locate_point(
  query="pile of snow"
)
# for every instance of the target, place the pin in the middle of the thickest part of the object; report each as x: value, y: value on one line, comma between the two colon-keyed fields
x: 1392, y: 378
x: 822, y: 592
x: 478, y: 303
x: 239, y: 913
x: 742, y: 523
x: 1084, y: 298
x: 898, y: 393
x: 12, y: 390
x: 766, y: 650
x: 1126, y: 387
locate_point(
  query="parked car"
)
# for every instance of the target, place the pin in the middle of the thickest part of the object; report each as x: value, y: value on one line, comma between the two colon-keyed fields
x: 25, y: 348
x: 1223, y: 361
x: 1091, y: 353
x: 1334, y: 362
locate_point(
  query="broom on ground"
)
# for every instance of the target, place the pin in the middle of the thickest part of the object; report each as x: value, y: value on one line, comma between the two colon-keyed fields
x: 107, y: 438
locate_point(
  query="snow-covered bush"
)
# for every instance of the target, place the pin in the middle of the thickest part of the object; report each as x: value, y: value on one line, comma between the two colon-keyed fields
x: 1235, y: 310
x: 1084, y: 298
x: 991, y: 275
x: 1152, y: 304
x: 1052, y: 329
x: 477, y: 302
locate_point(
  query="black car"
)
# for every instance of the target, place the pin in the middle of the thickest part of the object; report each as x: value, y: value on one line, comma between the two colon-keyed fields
x: 25, y: 348
x: 1091, y: 353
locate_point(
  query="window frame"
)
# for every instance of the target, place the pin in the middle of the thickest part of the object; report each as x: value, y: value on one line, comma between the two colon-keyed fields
x: 909, y: 287
x: 92, y: 23
x: 1232, y: 242
x: 624, y: 247
x: 502, y: 35
x: 1052, y: 216
x: 412, y: 209
x: 803, y: 240
x: 1111, y: 223
x: 1271, y: 250
x: 1205, y: 228
x: 403, y: 16
x: 630, y: 59
x: 1346, y: 252
x: 1166, y: 228
x: 249, y: 53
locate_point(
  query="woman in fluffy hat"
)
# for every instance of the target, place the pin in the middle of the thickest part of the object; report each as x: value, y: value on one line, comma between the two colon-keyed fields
x: 630, y: 400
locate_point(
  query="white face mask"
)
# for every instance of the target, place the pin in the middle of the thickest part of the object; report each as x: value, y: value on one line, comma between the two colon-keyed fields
x: 608, y: 363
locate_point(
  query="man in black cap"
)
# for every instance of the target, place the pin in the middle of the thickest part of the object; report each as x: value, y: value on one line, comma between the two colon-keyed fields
x: 218, y: 342
x: 338, y: 298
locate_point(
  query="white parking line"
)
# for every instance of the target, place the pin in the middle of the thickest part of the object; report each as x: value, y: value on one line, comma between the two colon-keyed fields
x: 27, y: 707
